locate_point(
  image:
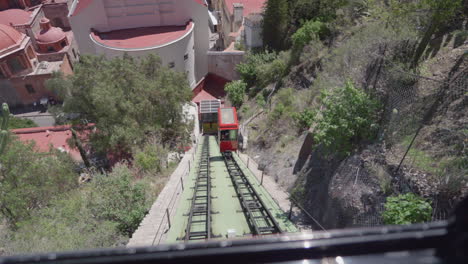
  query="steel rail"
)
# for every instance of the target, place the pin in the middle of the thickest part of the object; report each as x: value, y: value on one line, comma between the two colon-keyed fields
x: 252, y: 205
x: 201, y: 199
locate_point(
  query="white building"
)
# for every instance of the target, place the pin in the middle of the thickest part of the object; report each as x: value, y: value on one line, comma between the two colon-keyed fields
x: 176, y: 30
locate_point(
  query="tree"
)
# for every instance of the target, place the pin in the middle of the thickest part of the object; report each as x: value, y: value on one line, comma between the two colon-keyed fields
x: 29, y: 180
x: 275, y: 24
x: 350, y: 116
x: 236, y: 92
x: 128, y: 100
x: 309, y: 31
x: 4, y: 127
x: 406, y: 209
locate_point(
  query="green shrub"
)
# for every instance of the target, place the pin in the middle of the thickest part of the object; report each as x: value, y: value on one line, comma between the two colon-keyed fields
x: 406, y: 209
x: 16, y: 122
x: 150, y: 158
x: 66, y: 224
x: 310, y: 30
x: 236, y: 92
x: 248, y: 70
x: 304, y: 119
x: 115, y: 197
x: 350, y: 116
x: 29, y: 180
x: 260, y: 100
x: 271, y: 72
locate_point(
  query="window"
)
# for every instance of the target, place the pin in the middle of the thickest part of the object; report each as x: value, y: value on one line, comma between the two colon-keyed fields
x: 63, y: 44
x: 30, y: 88
x: 228, y: 135
x: 171, y: 64
x: 50, y: 48
x: 186, y: 57
x: 15, y: 65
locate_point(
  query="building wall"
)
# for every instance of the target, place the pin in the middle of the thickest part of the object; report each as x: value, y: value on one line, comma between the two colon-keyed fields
x: 170, y: 53
x: 8, y: 93
x: 224, y: 63
x: 253, y: 33
x: 202, y: 42
x: 38, y: 84
x: 117, y: 14
x: 57, y: 13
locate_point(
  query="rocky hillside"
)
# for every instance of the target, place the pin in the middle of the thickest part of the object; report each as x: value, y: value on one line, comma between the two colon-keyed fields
x: 422, y: 125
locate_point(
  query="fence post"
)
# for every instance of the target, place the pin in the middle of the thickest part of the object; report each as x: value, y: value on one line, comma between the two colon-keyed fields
x: 261, y: 182
x: 168, y: 217
x: 248, y: 160
x: 290, y: 211
x: 182, y: 183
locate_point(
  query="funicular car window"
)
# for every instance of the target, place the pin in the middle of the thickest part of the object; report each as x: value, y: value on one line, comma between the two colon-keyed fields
x: 224, y: 135
x: 232, y: 134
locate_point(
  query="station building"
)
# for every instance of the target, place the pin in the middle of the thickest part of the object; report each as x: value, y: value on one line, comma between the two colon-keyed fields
x: 176, y: 30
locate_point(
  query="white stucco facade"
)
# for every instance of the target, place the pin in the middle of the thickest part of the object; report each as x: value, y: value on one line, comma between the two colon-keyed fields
x: 186, y: 53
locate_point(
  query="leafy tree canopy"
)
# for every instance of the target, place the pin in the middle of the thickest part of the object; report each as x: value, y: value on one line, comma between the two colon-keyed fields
x: 29, y: 180
x: 350, y: 115
x: 128, y: 100
x: 236, y: 92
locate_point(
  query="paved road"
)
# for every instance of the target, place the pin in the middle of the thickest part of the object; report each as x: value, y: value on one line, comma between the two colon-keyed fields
x: 41, y: 119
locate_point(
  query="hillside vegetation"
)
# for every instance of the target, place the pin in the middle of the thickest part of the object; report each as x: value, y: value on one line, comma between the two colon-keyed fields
x: 49, y: 203
x: 360, y: 101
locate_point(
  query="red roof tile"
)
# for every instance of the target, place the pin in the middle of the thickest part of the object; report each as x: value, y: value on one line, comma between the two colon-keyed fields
x: 56, y: 136
x: 14, y: 16
x: 141, y: 37
x: 209, y: 88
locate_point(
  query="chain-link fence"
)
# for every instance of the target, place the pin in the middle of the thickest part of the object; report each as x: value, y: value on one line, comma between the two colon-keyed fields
x: 421, y: 149
x: 426, y: 133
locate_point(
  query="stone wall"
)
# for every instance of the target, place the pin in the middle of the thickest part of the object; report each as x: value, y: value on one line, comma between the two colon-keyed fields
x: 224, y: 63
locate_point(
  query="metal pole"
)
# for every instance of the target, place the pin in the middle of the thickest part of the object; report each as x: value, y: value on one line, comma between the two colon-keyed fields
x: 168, y: 218
x: 182, y: 183
x: 290, y: 211
x: 248, y: 159
x: 261, y: 182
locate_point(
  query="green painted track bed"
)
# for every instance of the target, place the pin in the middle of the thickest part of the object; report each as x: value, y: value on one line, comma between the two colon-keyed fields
x: 223, y: 198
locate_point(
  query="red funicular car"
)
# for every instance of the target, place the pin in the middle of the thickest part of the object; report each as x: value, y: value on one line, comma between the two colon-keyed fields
x: 228, y: 127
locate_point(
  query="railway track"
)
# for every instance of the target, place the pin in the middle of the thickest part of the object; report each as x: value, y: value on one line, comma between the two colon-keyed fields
x: 259, y: 218
x: 199, y: 217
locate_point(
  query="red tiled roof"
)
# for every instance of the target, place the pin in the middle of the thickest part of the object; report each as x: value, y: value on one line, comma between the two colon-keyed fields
x: 9, y: 36
x: 209, y: 88
x: 14, y: 16
x: 56, y: 136
x: 141, y: 37
x: 250, y: 6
